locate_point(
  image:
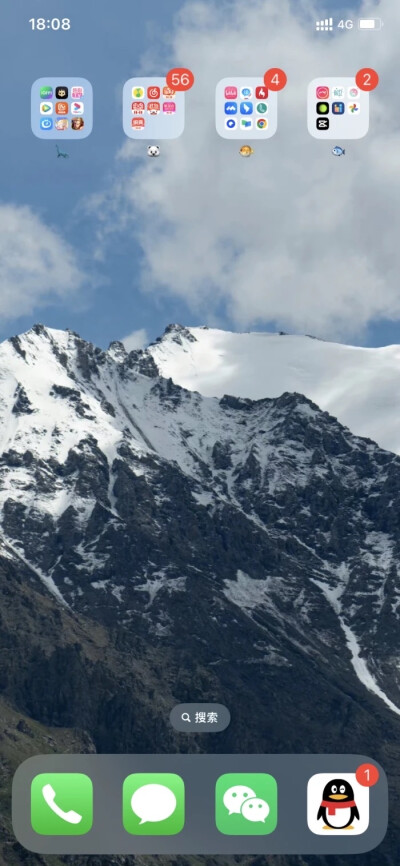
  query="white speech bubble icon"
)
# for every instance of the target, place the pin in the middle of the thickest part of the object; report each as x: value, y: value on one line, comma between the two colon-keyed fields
x: 235, y: 797
x: 153, y: 803
x: 255, y: 809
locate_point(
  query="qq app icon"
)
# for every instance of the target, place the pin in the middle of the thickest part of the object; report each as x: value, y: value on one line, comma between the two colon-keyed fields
x: 337, y: 804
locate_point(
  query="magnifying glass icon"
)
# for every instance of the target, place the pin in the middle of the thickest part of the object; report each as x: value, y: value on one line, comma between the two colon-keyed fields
x: 185, y: 717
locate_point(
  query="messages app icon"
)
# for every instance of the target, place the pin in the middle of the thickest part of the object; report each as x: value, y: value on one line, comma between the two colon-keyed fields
x: 153, y: 804
x: 246, y: 804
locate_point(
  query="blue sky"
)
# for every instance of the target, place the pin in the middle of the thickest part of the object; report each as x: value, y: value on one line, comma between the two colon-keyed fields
x: 119, y: 289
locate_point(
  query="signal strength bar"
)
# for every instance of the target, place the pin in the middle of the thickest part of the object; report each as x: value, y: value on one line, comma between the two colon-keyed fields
x: 324, y: 24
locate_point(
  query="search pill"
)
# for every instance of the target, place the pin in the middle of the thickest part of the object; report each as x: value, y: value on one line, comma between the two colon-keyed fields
x: 369, y: 23
x: 200, y: 718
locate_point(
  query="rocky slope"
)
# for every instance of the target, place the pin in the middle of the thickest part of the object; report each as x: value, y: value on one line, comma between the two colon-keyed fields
x: 157, y: 546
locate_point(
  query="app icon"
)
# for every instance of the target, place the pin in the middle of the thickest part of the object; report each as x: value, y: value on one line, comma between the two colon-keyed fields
x: 61, y: 804
x: 168, y: 93
x: 353, y: 107
x: 138, y: 122
x: 169, y: 107
x: 138, y: 107
x: 353, y: 92
x: 337, y: 803
x: 46, y: 108
x: 322, y: 107
x: 77, y: 107
x: 153, y: 804
x: 153, y: 107
x: 322, y: 122
x: 61, y: 124
x: 231, y: 108
x: 61, y: 92
x: 246, y: 107
x: 262, y: 107
x: 138, y: 92
x: 246, y: 123
x: 231, y: 92
x: 77, y: 92
x: 262, y: 123
x: 337, y: 92
x: 246, y: 92
x: 246, y: 804
x: 46, y: 123
x: 337, y: 107
x: 261, y: 92
x: 61, y: 107
x: 230, y: 123
x: 322, y: 92
x: 153, y: 92
x: 46, y: 93
x: 77, y: 123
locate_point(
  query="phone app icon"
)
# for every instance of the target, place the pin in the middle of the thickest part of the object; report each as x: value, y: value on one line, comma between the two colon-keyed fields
x: 322, y: 107
x: 262, y: 107
x: 77, y: 92
x: 337, y: 107
x: 322, y: 92
x: 322, y: 123
x: 338, y: 803
x: 231, y: 92
x: 246, y: 107
x: 46, y: 108
x: 61, y: 804
x: 261, y: 92
x: 46, y: 123
x: 230, y: 123
x: 153, y: 92
x: 153, y: 804
x: 61, y: 124
x: 262, y: 123
x: 246, y: 804
x: 46, y: 93
x: 138, y: 92
x: 62, y: 92
x: 61, y: 107
x: 77, y: 107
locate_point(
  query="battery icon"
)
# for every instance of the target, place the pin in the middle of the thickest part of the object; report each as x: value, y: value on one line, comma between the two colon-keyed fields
x: 369, y: 23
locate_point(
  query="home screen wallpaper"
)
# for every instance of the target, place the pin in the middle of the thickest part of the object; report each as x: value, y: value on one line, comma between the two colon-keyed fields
x: 199, y: 433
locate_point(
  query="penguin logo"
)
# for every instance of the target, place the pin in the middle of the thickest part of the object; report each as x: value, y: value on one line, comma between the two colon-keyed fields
x: 338, y: 807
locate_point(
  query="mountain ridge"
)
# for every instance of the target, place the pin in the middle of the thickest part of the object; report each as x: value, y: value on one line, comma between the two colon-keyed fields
x: 216, y: 548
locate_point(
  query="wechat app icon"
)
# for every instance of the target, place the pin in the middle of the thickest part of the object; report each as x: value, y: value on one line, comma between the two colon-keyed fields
x: 61, y: 804
x: 153, y: 804
x: 246, y: 804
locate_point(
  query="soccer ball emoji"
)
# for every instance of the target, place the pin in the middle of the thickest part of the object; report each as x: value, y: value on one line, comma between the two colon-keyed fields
x: 153, y: 150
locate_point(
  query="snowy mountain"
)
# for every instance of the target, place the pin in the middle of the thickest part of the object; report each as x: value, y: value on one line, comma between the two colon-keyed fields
x: 358, y: 386
x: 158, y: 546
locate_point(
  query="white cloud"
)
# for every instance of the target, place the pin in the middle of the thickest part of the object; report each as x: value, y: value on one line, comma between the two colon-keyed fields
x: 36, y: 265
x: 136, y: 340
x: 293, y: 234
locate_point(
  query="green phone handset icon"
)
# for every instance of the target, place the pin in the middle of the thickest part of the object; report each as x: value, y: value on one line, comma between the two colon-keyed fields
x: 49, y: 795
x: 52, y: 797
